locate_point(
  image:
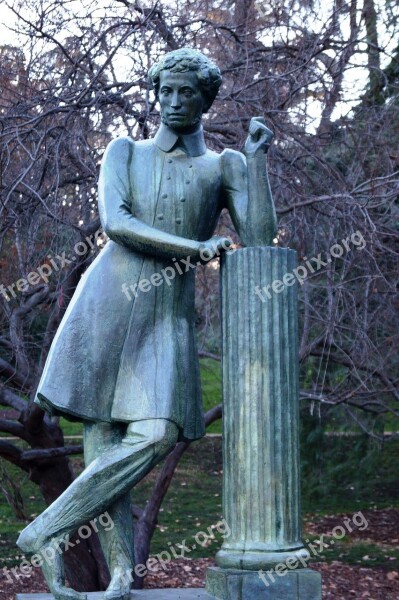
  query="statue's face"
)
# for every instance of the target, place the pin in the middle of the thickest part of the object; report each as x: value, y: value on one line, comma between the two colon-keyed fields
x: 181, y: 100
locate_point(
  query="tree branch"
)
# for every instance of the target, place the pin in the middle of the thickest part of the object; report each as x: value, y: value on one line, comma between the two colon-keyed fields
x: 50, y: 453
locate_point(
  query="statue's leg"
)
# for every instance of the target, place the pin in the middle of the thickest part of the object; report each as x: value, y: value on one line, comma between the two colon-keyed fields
x: 120, y: 555
x: 106, y: 479
x: 53, y: 571
x: 117, y: 543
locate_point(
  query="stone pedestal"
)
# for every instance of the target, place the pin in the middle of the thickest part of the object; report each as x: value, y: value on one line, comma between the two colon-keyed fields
x: 230, y: 584
x: 160, y: 594
x: 261, y: 488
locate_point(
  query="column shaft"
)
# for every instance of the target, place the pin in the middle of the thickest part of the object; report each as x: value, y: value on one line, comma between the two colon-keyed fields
x: 261, y: 488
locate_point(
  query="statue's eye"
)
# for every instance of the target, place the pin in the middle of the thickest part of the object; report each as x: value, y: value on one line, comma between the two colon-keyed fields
x: 165, y: 91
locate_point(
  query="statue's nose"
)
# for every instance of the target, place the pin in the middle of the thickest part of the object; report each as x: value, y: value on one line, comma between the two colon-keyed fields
x: 175, y: 102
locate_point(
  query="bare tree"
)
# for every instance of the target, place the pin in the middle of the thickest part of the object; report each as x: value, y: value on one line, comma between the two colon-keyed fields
x: 326, y: 79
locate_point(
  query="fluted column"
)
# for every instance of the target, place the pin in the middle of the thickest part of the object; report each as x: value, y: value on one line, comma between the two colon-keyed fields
x: 261, y: 488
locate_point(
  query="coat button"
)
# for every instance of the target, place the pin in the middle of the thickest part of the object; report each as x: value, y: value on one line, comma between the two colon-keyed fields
x: 190, y: 166
x: 187, y: 182
x: 164, y: 195
x: 160, y: 217
x: 178, y: 221
x: 170, y: 160
x: 168, y: 177
x: 182, y: 199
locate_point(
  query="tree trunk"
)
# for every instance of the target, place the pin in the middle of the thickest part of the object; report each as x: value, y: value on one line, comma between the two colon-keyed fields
x: 148, y: 519
x: 146, y: 523
x: 376, y: 77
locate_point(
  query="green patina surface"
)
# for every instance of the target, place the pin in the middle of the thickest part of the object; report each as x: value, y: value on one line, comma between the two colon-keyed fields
x: 124, y: 358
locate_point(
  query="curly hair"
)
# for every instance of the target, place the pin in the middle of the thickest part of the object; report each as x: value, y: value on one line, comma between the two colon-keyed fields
x: 187, y: 59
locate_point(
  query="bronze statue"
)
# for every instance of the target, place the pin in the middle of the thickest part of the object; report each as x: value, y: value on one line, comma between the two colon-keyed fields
x: 125, y: 362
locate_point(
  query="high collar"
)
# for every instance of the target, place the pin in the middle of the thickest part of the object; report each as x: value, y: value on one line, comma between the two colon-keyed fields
x: 193, y: 143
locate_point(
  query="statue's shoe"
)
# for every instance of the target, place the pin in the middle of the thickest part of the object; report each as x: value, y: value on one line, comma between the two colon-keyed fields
x: 61, y: 592
x: 119, y: 587
x: 54, y: 573
x: 29, y: 541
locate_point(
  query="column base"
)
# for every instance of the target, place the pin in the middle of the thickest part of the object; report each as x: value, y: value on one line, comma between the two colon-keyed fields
x: 233, y: 584
x: 256, y: 560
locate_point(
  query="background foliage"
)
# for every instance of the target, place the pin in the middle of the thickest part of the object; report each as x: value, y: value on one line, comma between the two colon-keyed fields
x: 324, y: 74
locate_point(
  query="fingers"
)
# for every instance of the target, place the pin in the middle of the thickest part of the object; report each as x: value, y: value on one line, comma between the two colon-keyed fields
x: 258, y: 130
x: 216, y: 244
x: 259, y: 120
x: 257, y: 123
x: 255, y: 128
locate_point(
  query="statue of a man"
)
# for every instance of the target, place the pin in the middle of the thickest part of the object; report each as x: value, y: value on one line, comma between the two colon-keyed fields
x: 124, y: 359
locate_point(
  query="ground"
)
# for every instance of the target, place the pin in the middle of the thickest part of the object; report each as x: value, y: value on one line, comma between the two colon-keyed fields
x: 342, y: 477
x: 341, y: 581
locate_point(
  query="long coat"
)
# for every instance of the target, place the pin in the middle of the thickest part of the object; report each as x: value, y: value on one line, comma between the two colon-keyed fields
x: 131, y: 355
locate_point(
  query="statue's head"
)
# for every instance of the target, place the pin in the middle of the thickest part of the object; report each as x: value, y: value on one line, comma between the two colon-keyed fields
x: 186, y: 83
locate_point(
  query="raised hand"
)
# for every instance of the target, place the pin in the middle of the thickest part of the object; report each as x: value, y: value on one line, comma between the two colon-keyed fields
x: 259, y: 138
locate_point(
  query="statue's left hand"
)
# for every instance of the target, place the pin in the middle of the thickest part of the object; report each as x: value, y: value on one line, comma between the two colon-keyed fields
x: 259, y: 138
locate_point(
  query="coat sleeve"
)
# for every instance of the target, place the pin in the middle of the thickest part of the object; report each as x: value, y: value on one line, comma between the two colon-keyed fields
x: 248, y: 197
x: 114, y: 201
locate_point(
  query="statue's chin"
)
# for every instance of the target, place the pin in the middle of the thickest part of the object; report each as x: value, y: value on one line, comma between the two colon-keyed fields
x: 182, y: 127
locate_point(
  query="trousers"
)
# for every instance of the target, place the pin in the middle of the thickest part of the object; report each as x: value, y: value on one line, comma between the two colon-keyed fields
x: 117, y: 456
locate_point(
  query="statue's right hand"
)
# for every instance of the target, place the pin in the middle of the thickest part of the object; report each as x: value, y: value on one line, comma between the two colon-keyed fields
x: 214, y: 246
